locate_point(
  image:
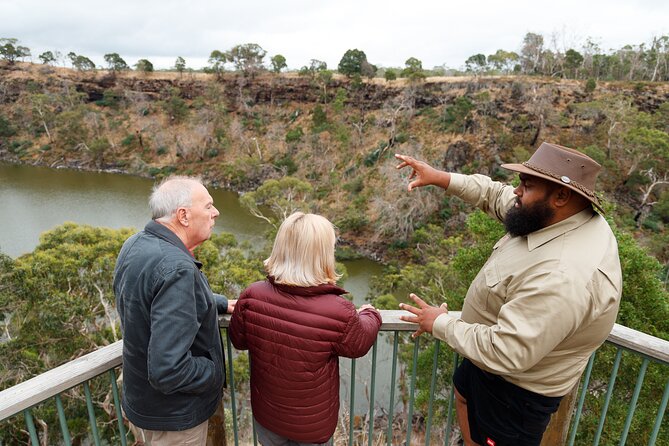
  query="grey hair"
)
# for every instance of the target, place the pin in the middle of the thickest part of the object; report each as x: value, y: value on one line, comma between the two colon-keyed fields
x: 171, y: 194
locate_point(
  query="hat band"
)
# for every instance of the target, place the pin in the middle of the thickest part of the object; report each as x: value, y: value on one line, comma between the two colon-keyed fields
x: 572, y: 183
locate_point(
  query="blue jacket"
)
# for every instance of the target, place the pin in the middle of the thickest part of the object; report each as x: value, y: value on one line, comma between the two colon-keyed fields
x: 173, y: 363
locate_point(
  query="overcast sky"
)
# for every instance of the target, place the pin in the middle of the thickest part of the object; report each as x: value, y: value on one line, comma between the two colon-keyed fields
x: 438, y: 32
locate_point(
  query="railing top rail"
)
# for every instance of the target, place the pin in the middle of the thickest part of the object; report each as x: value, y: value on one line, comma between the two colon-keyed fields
x: 54, y: 381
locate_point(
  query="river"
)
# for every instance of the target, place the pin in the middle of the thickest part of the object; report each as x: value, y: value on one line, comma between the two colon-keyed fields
x: 37, y: 199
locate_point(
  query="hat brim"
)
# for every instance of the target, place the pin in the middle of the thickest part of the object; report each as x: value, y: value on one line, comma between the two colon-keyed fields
x: 520, y: 168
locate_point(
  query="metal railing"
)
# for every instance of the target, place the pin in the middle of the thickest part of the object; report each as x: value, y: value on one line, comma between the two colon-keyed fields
x: 426, y: 427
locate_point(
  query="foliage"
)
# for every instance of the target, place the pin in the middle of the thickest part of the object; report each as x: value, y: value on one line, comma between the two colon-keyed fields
x: 294, y: 135
x: 390, y: 74
x: 175, y: 107
x: 590, y: 85
x: 278, y: 63
x: 456, y: 117
x: 47, y: 57
x: 6, y: 129
x: 217, y: 60
x: 11, y: 51
x: 248, y: 58
x: 413, y: 69
x: 476, y: 63
x: 355, y: 62
x: 180, y: 64
x: 282, y: 198
x: 81, y: 63
x: 144, y: 65
x: 116, y: 62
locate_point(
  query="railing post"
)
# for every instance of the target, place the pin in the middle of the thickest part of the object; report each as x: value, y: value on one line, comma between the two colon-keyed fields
x: 558, y: 428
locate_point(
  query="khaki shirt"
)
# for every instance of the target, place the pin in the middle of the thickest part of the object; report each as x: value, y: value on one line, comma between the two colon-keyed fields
x: 542, y: 303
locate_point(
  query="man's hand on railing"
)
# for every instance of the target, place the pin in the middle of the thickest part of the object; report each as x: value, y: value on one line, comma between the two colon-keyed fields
x: 231, y: 305
x: 424, y: 315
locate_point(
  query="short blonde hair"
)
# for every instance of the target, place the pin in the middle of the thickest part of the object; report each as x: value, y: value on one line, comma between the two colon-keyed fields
x: 303, y: 252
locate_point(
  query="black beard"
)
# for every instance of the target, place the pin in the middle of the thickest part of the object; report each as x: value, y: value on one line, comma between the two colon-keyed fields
x: 524, y: 220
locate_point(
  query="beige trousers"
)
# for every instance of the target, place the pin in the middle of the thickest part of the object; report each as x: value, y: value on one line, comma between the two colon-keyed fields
x: 195, y: 436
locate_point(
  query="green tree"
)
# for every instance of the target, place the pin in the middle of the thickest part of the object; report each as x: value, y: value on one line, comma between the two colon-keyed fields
x: 11, y: 51
x: 175, y: 106
x: 413, y: 69
x: 180, y: 64
x: 503, y: 60
x: 115, y: 62
x: 144, y: 66
x: 573, y: 60
x: 247, y: 58
x: 278, y: 63
x: 282, y: 197
x: 352, y: 62
x: 217, y: 60
x: 531, y: 53
x: 390, y: 75
x: 6, y: 129
x: 81, y: 63
x: 47, y: 57
x: 476, y: 63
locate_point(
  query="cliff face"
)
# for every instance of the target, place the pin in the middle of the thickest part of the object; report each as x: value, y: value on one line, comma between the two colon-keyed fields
x: 269, y: 88
x: 335, y: 134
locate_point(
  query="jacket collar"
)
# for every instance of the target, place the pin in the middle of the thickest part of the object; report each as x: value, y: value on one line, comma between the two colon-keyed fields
x: 545, y: 235
x: 163, y: 232
x: 317, y: 290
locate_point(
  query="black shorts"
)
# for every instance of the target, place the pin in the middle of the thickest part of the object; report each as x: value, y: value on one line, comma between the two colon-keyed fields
x: 501, y: 413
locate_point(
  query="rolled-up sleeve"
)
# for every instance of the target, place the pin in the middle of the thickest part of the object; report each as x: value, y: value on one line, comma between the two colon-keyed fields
x: 492, y: 197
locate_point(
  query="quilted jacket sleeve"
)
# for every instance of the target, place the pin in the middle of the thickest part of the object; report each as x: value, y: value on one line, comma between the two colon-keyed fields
x: 237, y: 327
x: 360, y: 334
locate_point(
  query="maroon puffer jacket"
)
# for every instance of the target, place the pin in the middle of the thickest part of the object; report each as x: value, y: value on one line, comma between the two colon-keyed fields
x: 294, y: 336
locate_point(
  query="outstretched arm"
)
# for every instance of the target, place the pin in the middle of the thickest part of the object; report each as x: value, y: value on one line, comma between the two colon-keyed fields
x: 423, y: 174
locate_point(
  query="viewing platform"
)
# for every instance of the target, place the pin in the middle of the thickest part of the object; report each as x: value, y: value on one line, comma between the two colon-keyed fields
x: 401, y: 422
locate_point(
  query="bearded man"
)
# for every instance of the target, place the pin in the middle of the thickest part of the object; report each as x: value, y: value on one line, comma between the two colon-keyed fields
x: 544, y: 301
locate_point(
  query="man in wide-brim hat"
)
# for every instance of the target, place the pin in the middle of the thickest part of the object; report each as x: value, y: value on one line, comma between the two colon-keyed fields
x: 544, y: 301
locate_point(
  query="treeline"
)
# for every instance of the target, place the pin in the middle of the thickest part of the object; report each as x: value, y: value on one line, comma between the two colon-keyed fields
x: 648, y: 61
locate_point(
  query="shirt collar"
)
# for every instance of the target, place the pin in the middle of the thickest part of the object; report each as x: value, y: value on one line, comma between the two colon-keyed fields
x: 545, y: 235
x: 163, y: 232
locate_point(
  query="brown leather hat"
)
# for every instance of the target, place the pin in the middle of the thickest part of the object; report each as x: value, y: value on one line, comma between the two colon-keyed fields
x: 564, y: 166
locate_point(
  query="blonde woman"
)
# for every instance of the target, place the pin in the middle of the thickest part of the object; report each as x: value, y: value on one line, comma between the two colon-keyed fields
x: 295, y: 325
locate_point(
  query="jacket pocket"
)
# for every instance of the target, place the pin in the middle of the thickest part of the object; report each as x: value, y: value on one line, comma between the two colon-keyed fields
x: 216, y: 358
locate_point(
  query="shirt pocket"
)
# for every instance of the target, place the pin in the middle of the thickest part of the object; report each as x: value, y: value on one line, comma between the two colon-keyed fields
x: 492, y: 302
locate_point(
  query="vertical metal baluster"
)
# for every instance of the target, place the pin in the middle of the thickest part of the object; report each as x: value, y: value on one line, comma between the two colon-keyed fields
x: 117, y: 404
x: 414, y: 372
x: 607, y: 400
x: 433, y: 383
x: 581, y: 400
x: 63, y: 421
x: 451, y: 397
x: 91, y: 414
x: 392, y: 390
x: 660, y: 415
x: 31, y: 427
x: 255, y: 435
x: 351, y: 415
x: 233, y: 396
x: 635, y: 399
x: 370, y: 435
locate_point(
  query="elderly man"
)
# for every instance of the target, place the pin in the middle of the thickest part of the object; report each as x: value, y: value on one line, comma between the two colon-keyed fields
x: 546, y: 298
x: 173, y: 363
